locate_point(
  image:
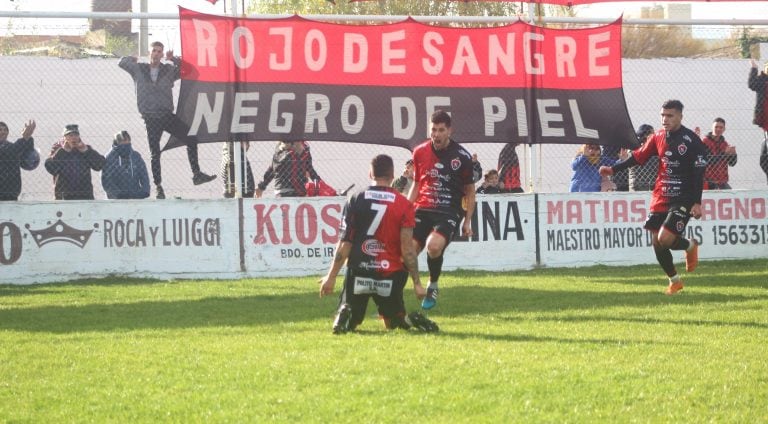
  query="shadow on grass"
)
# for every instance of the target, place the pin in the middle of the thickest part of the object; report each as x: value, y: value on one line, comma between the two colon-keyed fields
x: 530, y: 338
x: 7, y: 290
x: 685, y: 322
x: 248, y: 311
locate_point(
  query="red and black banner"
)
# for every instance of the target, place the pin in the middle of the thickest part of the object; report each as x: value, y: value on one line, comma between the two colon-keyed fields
x: 297, y: 79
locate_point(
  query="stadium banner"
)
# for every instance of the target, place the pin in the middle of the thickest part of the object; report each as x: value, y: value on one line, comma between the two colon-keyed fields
x: 296, y: 79
x: 298, y: 236
x: 582, y: 229
x: 59, y: 241
x: 44, y: 242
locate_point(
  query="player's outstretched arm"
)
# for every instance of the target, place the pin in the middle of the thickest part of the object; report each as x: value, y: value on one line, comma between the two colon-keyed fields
x: 329, y: 280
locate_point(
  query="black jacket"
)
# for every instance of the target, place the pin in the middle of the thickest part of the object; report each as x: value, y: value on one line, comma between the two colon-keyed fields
x: 72, y: 172
x: 10, y: 167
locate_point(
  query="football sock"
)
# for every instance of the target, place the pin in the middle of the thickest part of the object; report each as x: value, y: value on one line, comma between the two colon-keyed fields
x: 681, y: 244
x: 664, y: 256
x: 432, y: 285
x: 674, y: 279
x: 435, y: 266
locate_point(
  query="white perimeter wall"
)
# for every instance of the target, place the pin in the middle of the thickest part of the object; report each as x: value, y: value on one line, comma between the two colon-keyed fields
x: 59, y: 241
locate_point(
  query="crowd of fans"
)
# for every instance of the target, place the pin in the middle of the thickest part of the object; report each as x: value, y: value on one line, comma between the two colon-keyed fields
x: 124, y: 174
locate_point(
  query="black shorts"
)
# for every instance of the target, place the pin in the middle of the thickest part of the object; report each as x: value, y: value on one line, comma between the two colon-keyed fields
x: 428, y: 221
x: 673, y: 220
x: 386, y: 292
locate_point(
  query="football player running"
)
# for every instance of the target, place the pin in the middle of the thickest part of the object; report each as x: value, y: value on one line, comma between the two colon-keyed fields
x: 676, y: 195
x: 443, y: 194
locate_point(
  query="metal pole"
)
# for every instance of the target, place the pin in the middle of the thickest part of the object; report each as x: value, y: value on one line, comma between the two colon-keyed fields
x: 143, y: 29
x: 238, y: 153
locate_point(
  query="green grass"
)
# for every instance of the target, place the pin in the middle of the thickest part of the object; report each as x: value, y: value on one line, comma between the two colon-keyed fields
x: 551, y: 345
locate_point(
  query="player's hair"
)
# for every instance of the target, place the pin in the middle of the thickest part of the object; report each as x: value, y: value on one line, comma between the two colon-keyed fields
x: 3, y: 125
x: 157, y: 44
x: 719, y: 119
x: 441, y: 117
x: 673, y: 104
x: 383, y: 167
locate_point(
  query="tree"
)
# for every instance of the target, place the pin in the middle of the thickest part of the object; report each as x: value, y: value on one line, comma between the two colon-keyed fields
x: 650, y: 41
x: 387, y: 8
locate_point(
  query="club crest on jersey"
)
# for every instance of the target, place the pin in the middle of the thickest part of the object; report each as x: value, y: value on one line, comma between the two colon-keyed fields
x: 455, y: 164
x: 680, y: 226
x: 372, y: 247
x: 682, y: 149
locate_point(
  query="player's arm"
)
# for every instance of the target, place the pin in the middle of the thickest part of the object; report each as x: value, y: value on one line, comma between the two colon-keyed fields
x: 414, y: 190
x: 469, y: 197
x: 329, y: 281
x: 620, y: 166
x: 411, y: 261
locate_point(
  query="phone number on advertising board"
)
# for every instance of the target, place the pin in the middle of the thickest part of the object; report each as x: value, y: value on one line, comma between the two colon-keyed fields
x: 740, y: 234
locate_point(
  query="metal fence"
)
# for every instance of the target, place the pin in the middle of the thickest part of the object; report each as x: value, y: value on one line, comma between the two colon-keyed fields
x: 87, y: 88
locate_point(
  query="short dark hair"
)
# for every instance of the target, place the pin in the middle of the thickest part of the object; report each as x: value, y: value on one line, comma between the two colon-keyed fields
x: 3, y: 125
x: 673, y: 104
x: 441, y: 117
x: 383, y: 167
x: 157, y: 44
x: 719, y: 119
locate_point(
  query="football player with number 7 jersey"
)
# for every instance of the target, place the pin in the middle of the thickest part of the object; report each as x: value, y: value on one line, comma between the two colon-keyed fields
x: 375, y: 242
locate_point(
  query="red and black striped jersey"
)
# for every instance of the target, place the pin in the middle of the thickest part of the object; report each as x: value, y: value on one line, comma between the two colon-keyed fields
x: 682, y: 163
x: 371, y: 221
x: 440, y: 176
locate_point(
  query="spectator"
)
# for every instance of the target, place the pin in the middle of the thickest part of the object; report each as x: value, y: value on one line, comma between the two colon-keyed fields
x: 154, y: 95
x: 381, y: 218
x: 721, y: 156
x: 759, y: 84
x: 291, y: 168
x: 509, y: 169
x: 228, y: 170
x: 585, y: 169
x: 404, y: 182
x: 764, y: 156
x: 14, y: 157
x: 477, y: 169
x: 643, y: 177
x: 70, y: 163
x: 491, y: 184
x: 125, y: 173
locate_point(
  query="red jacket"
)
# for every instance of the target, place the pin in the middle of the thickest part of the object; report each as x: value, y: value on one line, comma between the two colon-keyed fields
x: 718, y: 161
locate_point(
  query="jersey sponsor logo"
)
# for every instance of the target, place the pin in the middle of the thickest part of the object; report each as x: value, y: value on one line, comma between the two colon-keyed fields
x: 667, y: 153
x: 373, y: 247
x: 455, y: 164
x: 384, y: 196
x: 701, y: 161
x: 433, y: 173
x: 372, y: 286
x: 439, y: 165
x: 682, y: 149
x: 382, y: 265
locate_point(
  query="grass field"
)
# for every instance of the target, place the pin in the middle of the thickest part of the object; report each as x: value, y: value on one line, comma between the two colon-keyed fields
x: 592, y: 344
